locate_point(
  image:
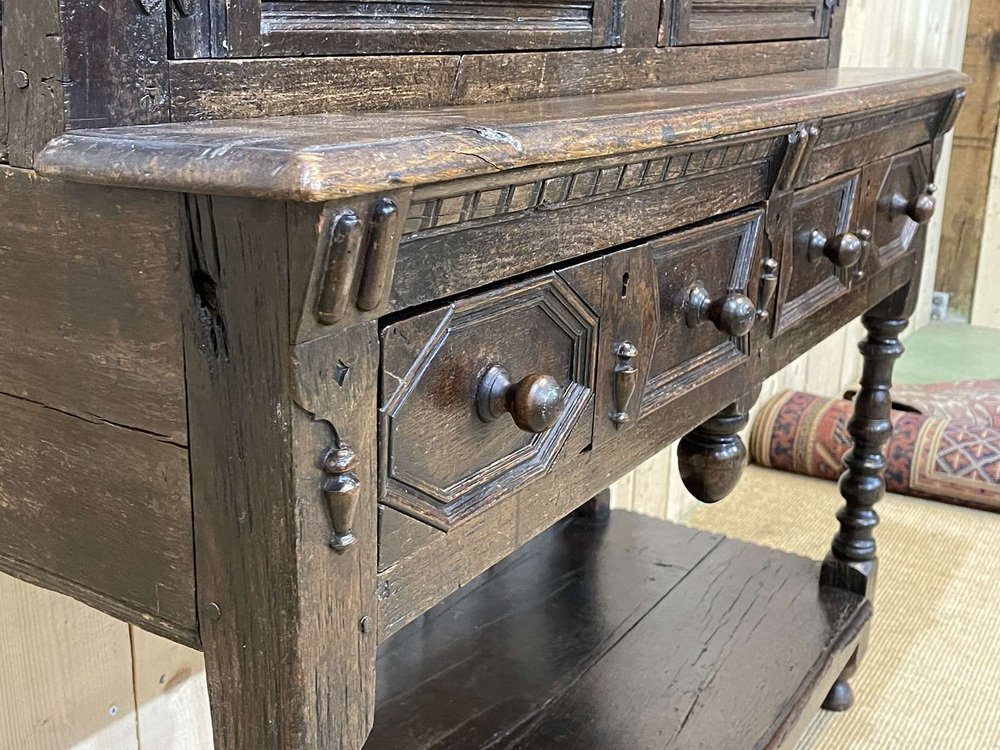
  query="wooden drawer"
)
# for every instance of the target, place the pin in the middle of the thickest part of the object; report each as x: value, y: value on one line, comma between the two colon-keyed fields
x: 677, y: 310
x: 825, y: 252
x: 904, y: 200
x: 480, y: 396
x: 727, y: 21
x: 847, y: 141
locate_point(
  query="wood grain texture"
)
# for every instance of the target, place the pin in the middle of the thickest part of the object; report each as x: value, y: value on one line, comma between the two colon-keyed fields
x: 590, y: 585
x: 103, y: 513
x: 65, y: 674
x: 463, y: 255
x: 278, y: 606
x: 894, y: 33
x: 986, y: 302
x: 3, y: 102
x: 964, y: 230
x: 116, y: 60
x: 878, y: 33
x: 266, y: 527
x: 338, y: 606
x: 296, y: 158
x: 33, y: 77
x: 171, y: 695
x: 406, y: 591
x: 444, y: 462
x: 816, y: 629
x: 610, y: 679
x: 810, y: 278
x: 701, y: 22
x: 243, y: 544
x: 341, y: 27
x: 88, y: 303
x: 214, y: 89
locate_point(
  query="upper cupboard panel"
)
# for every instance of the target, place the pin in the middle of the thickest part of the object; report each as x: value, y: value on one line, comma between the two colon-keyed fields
x: 290, y: 28
x: 687, y: 22
x: 293, y: 28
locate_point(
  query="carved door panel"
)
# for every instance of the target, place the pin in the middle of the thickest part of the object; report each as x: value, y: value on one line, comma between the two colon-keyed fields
x: 288, y: 28
x: 479, y: 397
x: 690, y: 22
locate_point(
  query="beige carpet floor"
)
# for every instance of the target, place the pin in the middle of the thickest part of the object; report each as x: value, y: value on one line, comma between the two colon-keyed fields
x: 931, y: 678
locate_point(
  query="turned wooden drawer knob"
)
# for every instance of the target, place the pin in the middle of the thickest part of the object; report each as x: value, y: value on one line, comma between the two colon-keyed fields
x: 534, y: 403
x: 843, y: 250
x: 920, y: 209
x: 734, y: 314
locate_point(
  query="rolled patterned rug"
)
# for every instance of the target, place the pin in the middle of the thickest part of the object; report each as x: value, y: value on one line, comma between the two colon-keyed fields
x: 945, y: 443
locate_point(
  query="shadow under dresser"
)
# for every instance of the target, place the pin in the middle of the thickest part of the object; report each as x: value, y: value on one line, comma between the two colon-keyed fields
x: 312, y: 312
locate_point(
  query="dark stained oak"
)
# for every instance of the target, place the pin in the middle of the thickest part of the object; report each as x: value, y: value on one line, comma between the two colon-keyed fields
x: 116, y: 58
x: 314, y: 311
x: 323, y: 157
x: 852, y: 562
x: 637, y: 634
x: 251, y: 87
x: 462, y: 554
x: 711, y: 458
x: 694, y: 22
x: 264, y: 421
x: 100, y: 512
x: 89, y: 303
x: 32, y: 77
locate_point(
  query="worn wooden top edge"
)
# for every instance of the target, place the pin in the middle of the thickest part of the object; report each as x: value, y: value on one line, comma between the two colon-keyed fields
x: 314, y: 158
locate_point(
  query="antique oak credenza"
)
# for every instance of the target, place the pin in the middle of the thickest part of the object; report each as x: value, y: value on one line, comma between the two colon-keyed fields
x: 312, y: 311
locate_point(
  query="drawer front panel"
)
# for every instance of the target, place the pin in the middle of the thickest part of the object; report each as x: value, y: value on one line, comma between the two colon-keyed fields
x: 824, y: 249
x: 717, y: 261
x: 678, y: 310
x: 904, y: 202
x: 847, y: 141
x: 480, y: 396
x: 463, y: 234
x: 727, y: 21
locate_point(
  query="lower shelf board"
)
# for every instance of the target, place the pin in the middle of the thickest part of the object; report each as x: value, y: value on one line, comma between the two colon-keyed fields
x: 635, y: 635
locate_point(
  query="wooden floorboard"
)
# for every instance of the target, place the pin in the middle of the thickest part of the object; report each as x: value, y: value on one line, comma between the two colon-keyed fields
x: 641, y: 634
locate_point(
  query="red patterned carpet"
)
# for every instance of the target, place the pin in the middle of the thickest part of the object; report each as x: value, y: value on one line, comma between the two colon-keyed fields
x: 945, y: 444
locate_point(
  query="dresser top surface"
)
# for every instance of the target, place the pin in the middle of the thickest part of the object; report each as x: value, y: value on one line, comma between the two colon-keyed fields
x: 314, y: 158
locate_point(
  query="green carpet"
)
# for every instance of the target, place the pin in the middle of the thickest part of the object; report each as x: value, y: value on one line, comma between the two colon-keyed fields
x: 947, y: 351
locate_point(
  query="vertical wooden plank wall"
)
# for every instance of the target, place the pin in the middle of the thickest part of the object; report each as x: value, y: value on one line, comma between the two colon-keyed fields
x: 962, y: 240
x: 877, y: 33
x: 65, y: 674
x: 986, y: 299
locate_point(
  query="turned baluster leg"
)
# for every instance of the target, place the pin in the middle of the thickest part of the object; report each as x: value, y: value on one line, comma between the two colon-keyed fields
x: 852, y: 563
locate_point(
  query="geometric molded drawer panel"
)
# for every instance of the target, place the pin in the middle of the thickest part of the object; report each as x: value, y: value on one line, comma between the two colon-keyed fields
x: 905, y: 201
x: 825, y: 252
x: 715, y: 261
x: 480, y: 396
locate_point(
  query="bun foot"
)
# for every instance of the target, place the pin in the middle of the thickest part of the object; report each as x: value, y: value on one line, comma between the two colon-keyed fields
x: 840, y: 697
